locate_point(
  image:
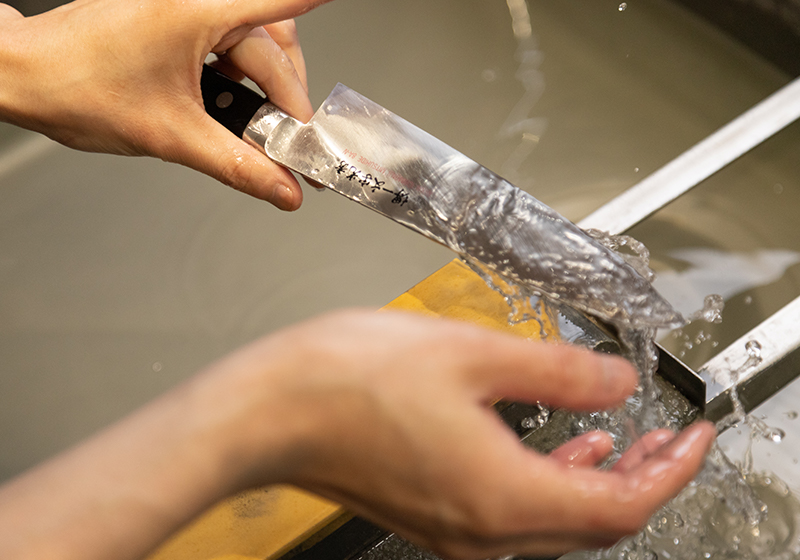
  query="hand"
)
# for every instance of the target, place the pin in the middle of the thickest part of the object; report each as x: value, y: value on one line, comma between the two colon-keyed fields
x: 389, y: 415
x: 386, y: 413
x: 124, y: 78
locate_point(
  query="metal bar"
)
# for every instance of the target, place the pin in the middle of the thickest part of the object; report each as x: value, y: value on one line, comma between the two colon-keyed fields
x: 755, y: 381
x: 683, y: 378
x: 780, y: 351
x: 698, y: 163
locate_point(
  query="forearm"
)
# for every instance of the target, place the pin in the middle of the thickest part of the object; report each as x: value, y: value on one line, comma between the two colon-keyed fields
x: 127, y: 489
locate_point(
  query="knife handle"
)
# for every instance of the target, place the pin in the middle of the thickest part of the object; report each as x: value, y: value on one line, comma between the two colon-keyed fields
x: 228, y: 102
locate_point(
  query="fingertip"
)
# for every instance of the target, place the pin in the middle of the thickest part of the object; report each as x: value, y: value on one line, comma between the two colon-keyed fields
x: 278, y: 187
x: 694, y: 442
x: 649, y: 444
x: 585, y: 450
x: 288, y: 199
x: 633, y: 494
x: 675, y: 464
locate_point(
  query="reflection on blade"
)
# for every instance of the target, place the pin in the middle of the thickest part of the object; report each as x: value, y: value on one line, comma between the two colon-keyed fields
x: 374, y: 157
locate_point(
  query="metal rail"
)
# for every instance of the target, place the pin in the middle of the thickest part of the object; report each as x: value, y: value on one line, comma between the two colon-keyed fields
x: 780, y: 346
x: 698, y: 163
x: 758, y: 373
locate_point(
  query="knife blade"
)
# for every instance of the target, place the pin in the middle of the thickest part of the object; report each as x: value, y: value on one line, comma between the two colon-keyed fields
x: 374, y: 157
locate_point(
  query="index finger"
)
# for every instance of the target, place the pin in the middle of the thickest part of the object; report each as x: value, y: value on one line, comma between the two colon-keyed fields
x: 284, y: 33
x: 560, y: 375
x: 264, y: 12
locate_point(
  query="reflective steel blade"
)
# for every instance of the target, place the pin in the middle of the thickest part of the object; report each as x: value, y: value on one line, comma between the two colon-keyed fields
x: 372, y: 156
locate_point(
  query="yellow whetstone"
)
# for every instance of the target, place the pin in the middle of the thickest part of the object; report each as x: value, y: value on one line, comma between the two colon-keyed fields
x: 264, y: 524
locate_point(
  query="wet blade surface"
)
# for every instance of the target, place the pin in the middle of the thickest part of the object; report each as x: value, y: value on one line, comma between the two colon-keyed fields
x: 372, y: 156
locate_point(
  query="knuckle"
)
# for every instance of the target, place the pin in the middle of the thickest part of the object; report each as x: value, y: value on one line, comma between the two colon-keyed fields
x: 289, y: 29
x: 284, y: 64
x: 234, y: 171
x: 285, y: 33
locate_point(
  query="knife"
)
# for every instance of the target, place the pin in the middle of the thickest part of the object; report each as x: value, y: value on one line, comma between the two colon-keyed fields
x: 370, y: 155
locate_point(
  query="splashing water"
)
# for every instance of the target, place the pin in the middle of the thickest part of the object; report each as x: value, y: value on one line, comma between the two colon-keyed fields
x: 753, y: 349
x: 711, y: 311
x: 537, y: 421
x: 729, y: 511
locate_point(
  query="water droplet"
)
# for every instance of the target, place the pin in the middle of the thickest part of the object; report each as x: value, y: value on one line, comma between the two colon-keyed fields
x: 157, y: 366
x: 712, y: 309
x: 636, y: 170
x: 777, y: 188
x: 775, y: 435
x: 748, y: 300
x: 623, y: 6
x: 489, y: 75
x: 537, y: 421
x: 753, y: 348
x: 792, y: 415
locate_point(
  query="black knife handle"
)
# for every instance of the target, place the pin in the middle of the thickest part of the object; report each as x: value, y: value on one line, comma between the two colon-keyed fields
x: 228, y: 102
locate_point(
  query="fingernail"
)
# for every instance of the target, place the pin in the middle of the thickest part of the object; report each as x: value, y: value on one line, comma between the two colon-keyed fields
x: 284, y: 197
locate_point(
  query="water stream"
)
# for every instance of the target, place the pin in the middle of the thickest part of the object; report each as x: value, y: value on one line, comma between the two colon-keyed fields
x: 730, y: 510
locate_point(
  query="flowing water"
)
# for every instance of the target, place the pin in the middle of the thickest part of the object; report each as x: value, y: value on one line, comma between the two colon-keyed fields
x: 730, y: 510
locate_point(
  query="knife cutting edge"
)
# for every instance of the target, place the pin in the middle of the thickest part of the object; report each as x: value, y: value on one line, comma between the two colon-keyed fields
x: 370, y: 155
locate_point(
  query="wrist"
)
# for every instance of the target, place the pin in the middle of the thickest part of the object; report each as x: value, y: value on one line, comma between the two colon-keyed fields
x: 13, y: 66
x: 255, y: 432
